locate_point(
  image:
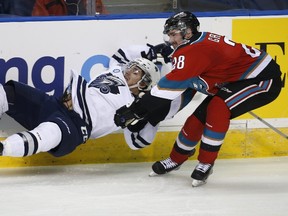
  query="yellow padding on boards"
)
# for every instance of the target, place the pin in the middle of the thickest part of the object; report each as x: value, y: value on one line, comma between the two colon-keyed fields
x: 113, y: 149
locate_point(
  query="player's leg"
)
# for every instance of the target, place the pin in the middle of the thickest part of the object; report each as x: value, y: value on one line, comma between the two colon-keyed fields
x: 51, y: 126
x: 27, y: 105
x: 184, y: 146
x: 257, y: 94
x: 217, y: 124
x: 59, y: 135
x: 43, y: 138
x: 232, y: 101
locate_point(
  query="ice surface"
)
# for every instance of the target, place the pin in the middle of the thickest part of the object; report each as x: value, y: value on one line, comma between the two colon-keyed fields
x: 244, y: 187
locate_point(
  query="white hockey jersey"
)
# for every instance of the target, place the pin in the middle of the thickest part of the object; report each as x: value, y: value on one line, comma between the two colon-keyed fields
x: 97, y: 101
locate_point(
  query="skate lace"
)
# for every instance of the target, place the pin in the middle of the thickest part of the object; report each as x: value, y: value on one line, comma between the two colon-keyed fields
x: 168, y: 163
x: 203, y: 167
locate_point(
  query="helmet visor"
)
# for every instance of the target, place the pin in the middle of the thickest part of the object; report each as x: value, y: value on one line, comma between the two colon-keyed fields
x: 171, y: 24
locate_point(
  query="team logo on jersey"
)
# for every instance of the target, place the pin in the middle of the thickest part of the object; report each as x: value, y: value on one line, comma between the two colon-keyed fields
x: 107, y: 83
x: 116, y: 71
x: 200, y: 85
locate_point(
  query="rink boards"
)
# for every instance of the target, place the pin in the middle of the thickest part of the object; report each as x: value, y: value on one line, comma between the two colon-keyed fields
x: 85, y: 45
x: 112, y: 149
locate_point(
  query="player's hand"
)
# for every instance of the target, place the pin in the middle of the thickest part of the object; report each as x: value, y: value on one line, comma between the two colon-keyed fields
x: 125, y: 116
x: 151, y: 54
x: 163, y: 49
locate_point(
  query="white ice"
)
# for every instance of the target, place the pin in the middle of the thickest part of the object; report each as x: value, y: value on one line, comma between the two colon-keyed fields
x: 244, y: 187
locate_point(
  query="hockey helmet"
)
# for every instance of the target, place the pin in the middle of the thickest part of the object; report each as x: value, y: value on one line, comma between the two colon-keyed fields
x: 181, y: 21
x: 151, y: 73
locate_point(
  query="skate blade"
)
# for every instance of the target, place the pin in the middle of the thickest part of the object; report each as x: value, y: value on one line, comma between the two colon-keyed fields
x: 152, y: 174
x: 197, y: 183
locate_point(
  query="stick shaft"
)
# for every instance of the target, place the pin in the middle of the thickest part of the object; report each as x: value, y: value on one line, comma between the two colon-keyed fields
x: 269, y: 125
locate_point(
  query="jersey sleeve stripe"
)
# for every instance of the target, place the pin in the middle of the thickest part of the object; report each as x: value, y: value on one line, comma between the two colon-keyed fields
x: 257, y: 67
x: 81, y: 95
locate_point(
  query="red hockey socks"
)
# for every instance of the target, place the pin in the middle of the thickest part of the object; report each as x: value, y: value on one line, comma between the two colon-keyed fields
x: 217, y: 124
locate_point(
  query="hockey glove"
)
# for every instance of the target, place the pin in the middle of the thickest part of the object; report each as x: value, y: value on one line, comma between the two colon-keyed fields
x: 151, y: 54
x: 126, y: 116
x: 137, y: 126
x: 163, y: 49
x: 131, y: 115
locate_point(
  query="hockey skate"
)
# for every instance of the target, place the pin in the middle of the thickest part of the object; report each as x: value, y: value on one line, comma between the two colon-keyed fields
x: 201, y: 173
x: 164, y: 166
x: 1, y: 149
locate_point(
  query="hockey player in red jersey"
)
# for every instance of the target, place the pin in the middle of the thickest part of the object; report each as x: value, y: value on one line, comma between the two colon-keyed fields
x: 235, y: 77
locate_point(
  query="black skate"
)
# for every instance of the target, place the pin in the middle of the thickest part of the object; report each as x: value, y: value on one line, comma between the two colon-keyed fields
x: 201, y: 174
x: 1, y: 149
x: 167, y: 165
x: 164, y: 166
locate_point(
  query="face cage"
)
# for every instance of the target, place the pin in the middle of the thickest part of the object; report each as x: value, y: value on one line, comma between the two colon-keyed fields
x: 175, y: 25
x: 145, y: 79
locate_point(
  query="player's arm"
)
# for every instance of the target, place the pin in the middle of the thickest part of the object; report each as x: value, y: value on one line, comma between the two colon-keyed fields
x: 125, y: 55
x: 140, y: 110
x: 152, y: 103
x: 141, y: 138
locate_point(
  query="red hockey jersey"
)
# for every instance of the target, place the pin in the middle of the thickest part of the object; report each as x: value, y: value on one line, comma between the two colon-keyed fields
x: 207, y: 62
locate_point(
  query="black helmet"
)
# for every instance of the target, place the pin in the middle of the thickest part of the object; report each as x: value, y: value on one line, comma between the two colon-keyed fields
x: 181, y: 21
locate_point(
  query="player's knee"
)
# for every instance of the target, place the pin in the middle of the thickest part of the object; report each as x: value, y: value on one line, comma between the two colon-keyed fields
x: 48, y: 136
x: 41, y: 139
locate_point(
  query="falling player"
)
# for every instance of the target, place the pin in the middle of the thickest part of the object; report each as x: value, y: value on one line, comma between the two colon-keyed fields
x: 85, y: 111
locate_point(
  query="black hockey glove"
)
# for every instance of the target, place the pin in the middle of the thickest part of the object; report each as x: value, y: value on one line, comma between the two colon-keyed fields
x: 151, y: 54
x: 138, y: 126
x: 127, y: 116
x: 163, y: 49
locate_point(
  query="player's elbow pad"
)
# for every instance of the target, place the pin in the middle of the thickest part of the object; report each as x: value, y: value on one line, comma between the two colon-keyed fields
x: 136, y: 142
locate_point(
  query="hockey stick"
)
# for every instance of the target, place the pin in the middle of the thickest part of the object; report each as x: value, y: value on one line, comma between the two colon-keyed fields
x: 269, y: 125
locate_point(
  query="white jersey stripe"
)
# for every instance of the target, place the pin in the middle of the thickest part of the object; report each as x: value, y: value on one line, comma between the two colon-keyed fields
x: 183, y: 146
x: 211, y: 141
x: 259, y: 67
x: 81, y: 94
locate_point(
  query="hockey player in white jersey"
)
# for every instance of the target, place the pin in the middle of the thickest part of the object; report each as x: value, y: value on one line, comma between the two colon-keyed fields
x: 85, y: 111
x: 141, y: 133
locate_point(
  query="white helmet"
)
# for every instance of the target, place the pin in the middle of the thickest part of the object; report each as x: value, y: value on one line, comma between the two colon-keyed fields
x: 152, y: 73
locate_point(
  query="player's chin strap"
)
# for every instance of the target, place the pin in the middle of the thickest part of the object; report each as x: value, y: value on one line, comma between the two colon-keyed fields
x: 137, y: 85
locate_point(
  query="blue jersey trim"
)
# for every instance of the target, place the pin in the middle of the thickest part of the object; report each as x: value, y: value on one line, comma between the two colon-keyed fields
x: 164, y: 83
x: 213, y: 135
x: 201, y: 38
x: 185, y: 141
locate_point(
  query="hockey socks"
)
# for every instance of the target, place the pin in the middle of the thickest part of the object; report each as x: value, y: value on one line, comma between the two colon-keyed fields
x: 41, y: 139
x: 179, y: 155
